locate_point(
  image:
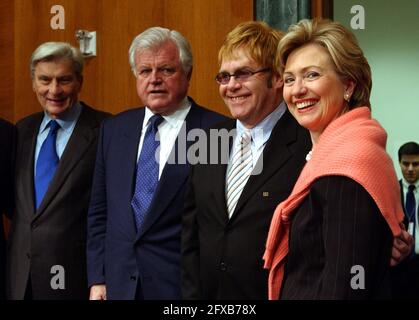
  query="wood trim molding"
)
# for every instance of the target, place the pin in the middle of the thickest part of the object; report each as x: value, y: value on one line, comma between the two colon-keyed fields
x: 322, y: 9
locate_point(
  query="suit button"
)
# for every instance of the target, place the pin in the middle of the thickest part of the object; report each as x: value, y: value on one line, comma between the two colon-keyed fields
x: 223, y: 266
x: 133, y: 278
x: 28, y: 255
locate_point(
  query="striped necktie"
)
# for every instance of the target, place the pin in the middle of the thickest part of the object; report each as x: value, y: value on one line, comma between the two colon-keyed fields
x: 241, y: 167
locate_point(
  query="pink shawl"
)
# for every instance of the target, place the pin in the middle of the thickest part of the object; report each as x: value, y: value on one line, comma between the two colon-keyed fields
x: 353, y: 145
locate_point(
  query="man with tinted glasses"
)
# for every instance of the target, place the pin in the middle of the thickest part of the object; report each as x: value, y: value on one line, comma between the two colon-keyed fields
x: 229, y: 206
x: 226, y: 220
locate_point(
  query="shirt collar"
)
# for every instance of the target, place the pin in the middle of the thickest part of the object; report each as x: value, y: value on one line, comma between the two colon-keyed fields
x: 262, y: 131
x: 407, y: 184
x: 174, y: 119
x: 65, y: 122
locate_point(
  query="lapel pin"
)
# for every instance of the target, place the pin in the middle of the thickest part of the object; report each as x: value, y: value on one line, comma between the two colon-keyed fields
x: 265, y: 194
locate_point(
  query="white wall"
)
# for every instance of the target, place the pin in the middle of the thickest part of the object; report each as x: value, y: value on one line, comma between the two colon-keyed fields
x: 390, y: 42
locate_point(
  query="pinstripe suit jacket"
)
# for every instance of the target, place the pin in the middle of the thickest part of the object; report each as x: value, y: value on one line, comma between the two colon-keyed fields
x: 337, y: 226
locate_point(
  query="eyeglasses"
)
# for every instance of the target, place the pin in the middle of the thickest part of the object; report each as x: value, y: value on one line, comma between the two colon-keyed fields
x: 239, y: 75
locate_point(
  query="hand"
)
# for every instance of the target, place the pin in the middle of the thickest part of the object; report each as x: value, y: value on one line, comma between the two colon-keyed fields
x: 402, y: 246
x: 98, y: 292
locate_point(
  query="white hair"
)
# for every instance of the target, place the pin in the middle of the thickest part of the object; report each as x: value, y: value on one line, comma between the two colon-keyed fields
x: 156, y: 36
x: 50, y: 51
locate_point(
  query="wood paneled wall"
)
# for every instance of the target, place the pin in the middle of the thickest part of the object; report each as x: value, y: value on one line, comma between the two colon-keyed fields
x: 7, y: 74
x: 108, y: 82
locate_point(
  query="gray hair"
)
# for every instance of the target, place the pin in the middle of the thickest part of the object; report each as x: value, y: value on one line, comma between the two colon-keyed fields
x: 50, y: 51
x: 155, y: 36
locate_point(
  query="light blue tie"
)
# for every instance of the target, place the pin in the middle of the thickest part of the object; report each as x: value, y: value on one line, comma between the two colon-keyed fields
x: 147, y: 172
x: 46, y: 164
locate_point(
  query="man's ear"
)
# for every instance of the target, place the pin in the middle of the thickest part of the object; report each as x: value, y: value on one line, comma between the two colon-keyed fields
x: 80, y: 79
x: 189, y: 74
x: 276, y: 80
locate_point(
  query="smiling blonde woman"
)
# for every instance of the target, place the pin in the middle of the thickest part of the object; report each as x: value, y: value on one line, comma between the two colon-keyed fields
x: 338, y: 224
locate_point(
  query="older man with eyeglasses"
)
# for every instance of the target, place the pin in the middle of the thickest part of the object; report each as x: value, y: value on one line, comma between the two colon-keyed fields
x: 226, y: 220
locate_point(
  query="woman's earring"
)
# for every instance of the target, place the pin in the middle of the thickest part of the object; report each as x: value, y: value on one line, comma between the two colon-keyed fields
x: 346, y: 97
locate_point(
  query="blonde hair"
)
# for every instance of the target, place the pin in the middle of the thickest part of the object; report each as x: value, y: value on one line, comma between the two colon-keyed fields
x: 259, y: 40
x: 343, y: 48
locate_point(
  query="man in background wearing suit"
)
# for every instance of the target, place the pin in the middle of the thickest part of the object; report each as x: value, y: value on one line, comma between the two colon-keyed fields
x: 7, y: 145
x: 134, y: 222
x: 229, y: 206
x: 55, y: 159
x: 406, y: 275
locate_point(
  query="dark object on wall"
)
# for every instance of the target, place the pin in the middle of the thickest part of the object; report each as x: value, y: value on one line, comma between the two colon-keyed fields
x: 280, y: 14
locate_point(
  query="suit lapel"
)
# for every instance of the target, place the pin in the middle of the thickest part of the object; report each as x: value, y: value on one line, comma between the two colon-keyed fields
x: 128, y: 151
x: 218, y: 190
x: 26, y: 165
x: 218, y: 173
x: 275, y: 154
x: 79, y: 142
x: 402, y: 195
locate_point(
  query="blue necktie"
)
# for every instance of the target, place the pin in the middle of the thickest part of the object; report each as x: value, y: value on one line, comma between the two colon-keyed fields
x: 46, y: 164
x: 147, y: 172
x: 411, y: 208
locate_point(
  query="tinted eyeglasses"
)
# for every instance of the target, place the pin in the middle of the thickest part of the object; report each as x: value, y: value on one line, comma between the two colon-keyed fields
x: 239, y: 75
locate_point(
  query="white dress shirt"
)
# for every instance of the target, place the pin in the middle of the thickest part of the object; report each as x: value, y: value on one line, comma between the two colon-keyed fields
x: 67, y: 124
x: 168, y: 131
x: 260, y: 136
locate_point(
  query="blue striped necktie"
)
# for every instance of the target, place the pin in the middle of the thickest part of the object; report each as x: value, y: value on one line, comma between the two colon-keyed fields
x: 46, y: 164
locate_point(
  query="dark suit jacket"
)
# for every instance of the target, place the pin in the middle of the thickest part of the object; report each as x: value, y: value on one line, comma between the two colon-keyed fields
x: 143, y: 264
x: 403, y: 201
x: 7, y: 146
x: 222, y: 258
x: 405, y: 276
x: 55, y: 234
x: 336, y: 227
